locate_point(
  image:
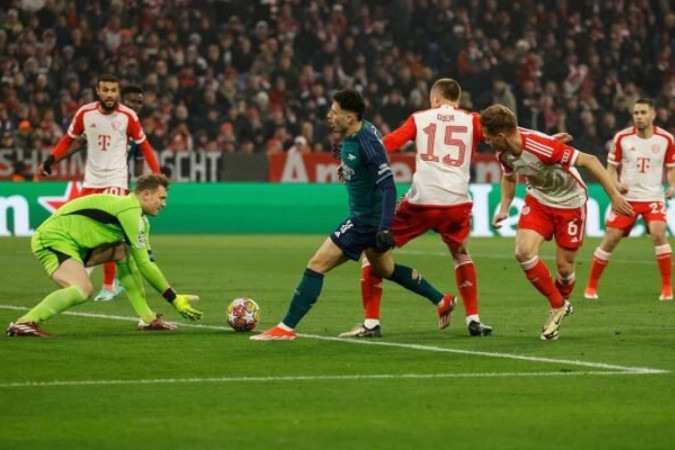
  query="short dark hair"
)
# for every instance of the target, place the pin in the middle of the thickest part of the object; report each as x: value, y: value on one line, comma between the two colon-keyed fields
x: 107, y: 78
x: 646, y: 101
x: 498, y: 119
x: 447, y: 88
x: 350, y: 100
x: 132, y: 89
x: 150, y: 183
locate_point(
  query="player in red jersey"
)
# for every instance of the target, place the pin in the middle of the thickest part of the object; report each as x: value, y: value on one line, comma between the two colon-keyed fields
x: 445, y: 138
x: 439, y: 200
x: 107, y: 126
x: 640, y: 152
x: 555, y: 204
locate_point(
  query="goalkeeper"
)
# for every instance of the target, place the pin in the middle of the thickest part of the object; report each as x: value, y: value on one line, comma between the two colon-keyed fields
x: 95, y: 229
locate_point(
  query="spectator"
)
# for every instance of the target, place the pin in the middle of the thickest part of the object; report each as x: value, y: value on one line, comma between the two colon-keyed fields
x: 289, y: 64
x: 300, y: 146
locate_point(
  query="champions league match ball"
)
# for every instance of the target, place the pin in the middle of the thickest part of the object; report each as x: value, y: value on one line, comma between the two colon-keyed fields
x: 243, y: 314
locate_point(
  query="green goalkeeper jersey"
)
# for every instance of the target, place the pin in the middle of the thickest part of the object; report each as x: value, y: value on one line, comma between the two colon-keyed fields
x: 94, y: 220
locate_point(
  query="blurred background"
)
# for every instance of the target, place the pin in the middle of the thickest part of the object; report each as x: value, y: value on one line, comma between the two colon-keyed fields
x: 230, y: 84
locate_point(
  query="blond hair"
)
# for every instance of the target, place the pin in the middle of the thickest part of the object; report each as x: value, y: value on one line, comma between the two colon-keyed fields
x: 150, y: 183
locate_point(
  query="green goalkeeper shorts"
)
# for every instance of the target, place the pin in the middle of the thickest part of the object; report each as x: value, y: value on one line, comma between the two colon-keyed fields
x: 52, y: 251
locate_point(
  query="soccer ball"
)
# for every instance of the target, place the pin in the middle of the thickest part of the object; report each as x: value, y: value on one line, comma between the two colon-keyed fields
x: 243, y: 314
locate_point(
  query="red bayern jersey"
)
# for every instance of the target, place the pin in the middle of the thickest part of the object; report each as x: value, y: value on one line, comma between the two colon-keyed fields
x: 642, y: 161
x: 107, y: 137
x: 548, y: 168
x: 445, y: 140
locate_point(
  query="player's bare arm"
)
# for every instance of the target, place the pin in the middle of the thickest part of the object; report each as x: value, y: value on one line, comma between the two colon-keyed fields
x: 508, y: 193
x: 563, y: 137
x: 619, y: 203
x: 670, y: 176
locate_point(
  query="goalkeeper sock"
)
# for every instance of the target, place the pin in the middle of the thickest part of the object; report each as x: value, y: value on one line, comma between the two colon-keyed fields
x: 55, y: 303
x: 371, y: 292
x: 405, y: 276
x: 305, y: 296
x: 132, y: 282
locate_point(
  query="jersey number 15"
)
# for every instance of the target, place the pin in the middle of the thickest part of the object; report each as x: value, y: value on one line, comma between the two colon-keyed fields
x: 449, y: 141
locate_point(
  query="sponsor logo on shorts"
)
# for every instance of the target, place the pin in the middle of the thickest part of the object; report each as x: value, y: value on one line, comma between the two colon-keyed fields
x: 344, y: 228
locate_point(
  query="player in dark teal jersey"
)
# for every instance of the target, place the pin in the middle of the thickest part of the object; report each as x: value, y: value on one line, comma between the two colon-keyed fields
x: 133, y: 97
x: 372, y: 199
x: 93, y: 230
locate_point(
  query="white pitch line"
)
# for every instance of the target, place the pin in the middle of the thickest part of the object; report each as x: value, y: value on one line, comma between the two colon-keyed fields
x: 405, y: 376
x: 489, y: 354
x: 124, y: 318
x: 429, y: 348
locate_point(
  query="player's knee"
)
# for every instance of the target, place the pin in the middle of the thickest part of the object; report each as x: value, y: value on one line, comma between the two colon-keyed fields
x: 658, y: 237
x: 565, y: 269
x: 523, y: 254
x: 318, y: 266
x: 381, y: 272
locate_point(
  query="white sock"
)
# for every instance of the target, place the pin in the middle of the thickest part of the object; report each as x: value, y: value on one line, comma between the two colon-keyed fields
x: 283, y: 326
x: 371, y: 323
x: 472, y: 318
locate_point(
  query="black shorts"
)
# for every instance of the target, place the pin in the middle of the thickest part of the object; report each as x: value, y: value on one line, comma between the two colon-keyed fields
x: 353, y: 238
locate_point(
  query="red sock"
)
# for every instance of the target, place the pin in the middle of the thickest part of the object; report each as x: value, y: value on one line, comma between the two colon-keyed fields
x: 109, y: 275
x: 467, y: 283
x: 539, y: 275
x: 371, y: 291
x: 600, y: 261
x: 664, y: 258
x: 565, y: 285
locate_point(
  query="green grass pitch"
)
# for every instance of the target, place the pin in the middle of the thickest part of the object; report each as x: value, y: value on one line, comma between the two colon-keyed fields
x: 607, y: 383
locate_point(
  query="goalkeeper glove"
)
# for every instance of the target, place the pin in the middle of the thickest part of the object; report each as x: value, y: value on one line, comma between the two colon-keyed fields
x: 183, y: 304
x: 384, y: 241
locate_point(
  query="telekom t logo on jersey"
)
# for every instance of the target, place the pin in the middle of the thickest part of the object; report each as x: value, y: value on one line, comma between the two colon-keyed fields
x: 643, y: 164
x: 104, y: 141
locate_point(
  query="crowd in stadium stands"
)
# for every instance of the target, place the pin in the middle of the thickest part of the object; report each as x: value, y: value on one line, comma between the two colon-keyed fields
x: 255, y: 76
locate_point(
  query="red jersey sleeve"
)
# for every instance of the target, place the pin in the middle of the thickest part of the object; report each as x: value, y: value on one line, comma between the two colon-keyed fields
x: 549, y: 150
x: 149, y: 155
x: 397, y: 138
x: 62, y: 147
x: 135, y: 130
x: 477, y: 131
x: 670, y: 153
x: 76, y: 127
x: 615, y: 155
